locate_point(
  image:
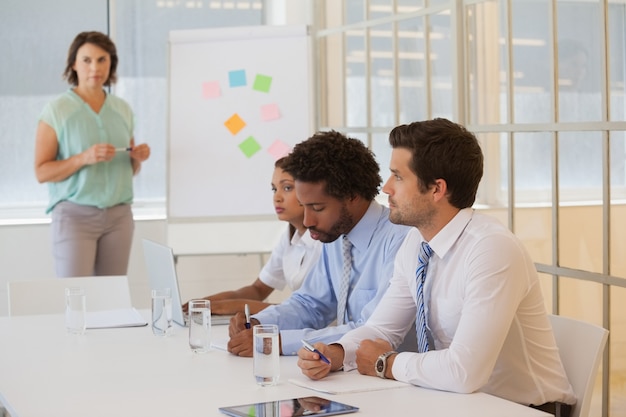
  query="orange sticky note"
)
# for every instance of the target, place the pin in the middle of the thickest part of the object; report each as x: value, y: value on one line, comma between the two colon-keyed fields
x: 234, y: 124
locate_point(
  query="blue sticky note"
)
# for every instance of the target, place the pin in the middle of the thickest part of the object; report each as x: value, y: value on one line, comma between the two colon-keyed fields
x: 237, y: 78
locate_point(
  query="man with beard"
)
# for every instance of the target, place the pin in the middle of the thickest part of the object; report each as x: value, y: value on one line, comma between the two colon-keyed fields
x: 336, y: 180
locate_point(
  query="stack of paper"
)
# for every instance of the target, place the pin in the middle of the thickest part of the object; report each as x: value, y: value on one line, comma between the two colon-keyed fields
x: 106, y: 319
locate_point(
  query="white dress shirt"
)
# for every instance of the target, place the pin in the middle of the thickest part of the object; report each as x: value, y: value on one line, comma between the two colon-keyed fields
x: 291, y: 260
x: 484, y: 309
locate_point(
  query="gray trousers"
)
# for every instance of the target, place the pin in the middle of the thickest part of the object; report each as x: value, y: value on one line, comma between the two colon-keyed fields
x: 90, y: 241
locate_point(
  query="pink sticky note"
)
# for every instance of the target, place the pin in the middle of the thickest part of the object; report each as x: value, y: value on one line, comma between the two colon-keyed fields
x: 270, y: 112
x: 278, y: 149
x: 211, y: 89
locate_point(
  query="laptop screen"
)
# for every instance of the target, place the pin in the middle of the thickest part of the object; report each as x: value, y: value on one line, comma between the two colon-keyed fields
x: 161, y: 268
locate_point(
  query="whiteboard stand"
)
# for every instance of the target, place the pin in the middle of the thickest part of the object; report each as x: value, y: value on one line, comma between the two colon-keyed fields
x: 225, y: 237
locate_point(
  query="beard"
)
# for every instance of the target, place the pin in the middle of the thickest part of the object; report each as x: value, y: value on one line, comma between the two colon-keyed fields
x: 342, y: 226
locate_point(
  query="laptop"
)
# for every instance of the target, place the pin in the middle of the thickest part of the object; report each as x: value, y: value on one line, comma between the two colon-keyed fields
x: 161, y: 268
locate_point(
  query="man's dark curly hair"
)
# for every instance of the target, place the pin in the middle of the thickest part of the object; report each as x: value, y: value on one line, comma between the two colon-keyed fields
x: 345, y: 164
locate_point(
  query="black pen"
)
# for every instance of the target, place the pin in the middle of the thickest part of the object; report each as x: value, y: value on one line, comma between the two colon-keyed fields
x: 246, y: 310
x: 311, y: 348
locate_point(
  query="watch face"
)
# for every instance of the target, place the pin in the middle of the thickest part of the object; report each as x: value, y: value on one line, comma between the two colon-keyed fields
x: 379, y: 365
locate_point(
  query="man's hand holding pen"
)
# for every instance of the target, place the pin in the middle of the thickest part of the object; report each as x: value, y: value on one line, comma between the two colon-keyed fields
x: 240, y: 332
x: 240, y: 342
x: 312, y: 364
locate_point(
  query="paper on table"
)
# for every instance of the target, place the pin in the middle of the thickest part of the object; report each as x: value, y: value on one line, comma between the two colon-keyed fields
x: 346, y: 382
x: 125, y: 317
x: 220, y: 344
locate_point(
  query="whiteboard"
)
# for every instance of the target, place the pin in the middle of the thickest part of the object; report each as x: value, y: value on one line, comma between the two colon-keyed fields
x: 239, y: 98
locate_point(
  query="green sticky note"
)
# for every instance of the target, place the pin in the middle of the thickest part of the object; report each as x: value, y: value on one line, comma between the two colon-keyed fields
x: 249, y: 146
x: 262, y: 83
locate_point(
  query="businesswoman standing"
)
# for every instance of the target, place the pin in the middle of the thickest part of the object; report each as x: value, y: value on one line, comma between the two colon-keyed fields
x: 86, y: 152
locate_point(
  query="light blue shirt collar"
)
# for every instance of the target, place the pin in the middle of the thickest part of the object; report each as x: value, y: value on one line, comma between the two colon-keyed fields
x: 362, y: 233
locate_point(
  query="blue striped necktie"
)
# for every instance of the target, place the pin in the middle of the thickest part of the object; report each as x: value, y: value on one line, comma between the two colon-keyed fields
x: 420, y: 322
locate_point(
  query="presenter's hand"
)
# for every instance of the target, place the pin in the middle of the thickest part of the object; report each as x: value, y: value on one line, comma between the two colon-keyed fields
x: 140, y: 152
x: 315, y: 368
x: 367, y: 354
x: 100, y: 152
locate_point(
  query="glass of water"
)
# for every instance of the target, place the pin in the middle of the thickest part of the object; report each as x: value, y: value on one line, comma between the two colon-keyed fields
x: 266, y: 354
x: 199, y: 325
x: 75, y: 310
x: 161, y: 311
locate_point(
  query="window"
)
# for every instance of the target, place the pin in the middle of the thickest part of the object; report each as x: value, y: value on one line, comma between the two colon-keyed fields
x: 537, y: 73
x: 541, y: 82
x: 37, y: 44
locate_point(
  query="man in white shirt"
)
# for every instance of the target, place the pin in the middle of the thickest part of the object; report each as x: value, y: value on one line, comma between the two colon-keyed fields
x: 485, y: 324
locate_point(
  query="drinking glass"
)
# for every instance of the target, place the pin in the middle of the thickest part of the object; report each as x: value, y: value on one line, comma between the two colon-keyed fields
x: 199, y: 325
x: 75, y: 310
x: 161, y: 312
x: 266, y: 354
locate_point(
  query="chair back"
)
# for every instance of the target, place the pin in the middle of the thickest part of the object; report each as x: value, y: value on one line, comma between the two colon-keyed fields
x: 581, y: 346
x: 47, y: 296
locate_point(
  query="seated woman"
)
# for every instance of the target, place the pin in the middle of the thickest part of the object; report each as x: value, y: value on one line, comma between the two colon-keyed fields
x: 291, y: 260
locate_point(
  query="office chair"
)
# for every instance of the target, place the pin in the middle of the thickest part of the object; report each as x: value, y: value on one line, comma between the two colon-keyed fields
x: 581, y: 346
x: 47, y: 296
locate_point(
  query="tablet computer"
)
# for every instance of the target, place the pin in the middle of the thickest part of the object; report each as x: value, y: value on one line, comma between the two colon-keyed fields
x: 294, y: 407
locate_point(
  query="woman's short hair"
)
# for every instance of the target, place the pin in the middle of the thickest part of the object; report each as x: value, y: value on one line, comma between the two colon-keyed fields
x: 96, y: 38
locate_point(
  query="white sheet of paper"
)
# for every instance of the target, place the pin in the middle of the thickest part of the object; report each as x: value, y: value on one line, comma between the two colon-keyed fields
x: 220, y: 344
x: 346, y: 382
x: 125, y: 317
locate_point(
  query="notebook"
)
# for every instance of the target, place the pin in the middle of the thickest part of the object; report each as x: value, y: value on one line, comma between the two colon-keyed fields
x: 161, y: 268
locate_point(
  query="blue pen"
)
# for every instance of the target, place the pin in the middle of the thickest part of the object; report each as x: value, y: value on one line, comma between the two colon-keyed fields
x: 246, y: 310
x: 311, y: 348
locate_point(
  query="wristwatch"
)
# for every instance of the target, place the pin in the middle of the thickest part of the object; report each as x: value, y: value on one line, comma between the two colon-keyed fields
x: 381, y: 363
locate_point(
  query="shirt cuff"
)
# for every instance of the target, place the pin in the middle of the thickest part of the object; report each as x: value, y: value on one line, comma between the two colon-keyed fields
x: 289, y: 344
x: 349, y: 355
x: 399, y: 370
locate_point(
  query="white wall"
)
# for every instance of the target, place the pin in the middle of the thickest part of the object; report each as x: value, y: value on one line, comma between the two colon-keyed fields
x: 25, y: 253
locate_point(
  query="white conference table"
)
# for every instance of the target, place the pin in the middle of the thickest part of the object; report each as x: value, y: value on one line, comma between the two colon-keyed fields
x: 130, y: 372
